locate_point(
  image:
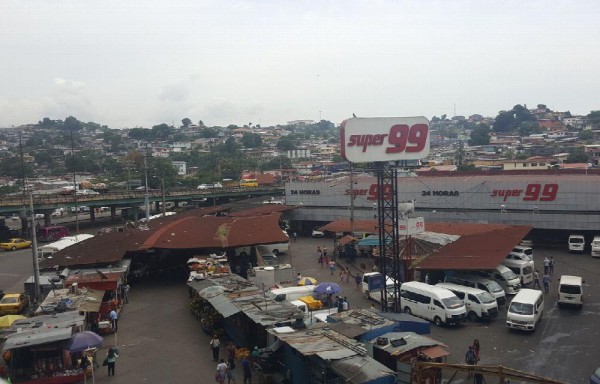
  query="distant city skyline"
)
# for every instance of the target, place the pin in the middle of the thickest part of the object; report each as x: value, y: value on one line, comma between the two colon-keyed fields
x: 143, y: 63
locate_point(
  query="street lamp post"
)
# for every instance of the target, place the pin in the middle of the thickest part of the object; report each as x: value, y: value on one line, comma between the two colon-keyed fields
x: 162, y: 190
x: 146, y: 200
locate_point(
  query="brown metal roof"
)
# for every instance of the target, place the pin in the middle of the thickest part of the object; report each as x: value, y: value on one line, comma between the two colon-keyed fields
x: 217, y: 232
x: 480, y: 247
x: 263, y: 209
x: 111, y: 247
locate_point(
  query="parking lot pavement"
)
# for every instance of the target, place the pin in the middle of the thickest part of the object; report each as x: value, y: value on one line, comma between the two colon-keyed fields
x: 161, y: 341
x: 563, y: 347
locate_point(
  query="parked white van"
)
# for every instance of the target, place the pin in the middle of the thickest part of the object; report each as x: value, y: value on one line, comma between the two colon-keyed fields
x: 570, y: 291
x: 525, y: 310
x: 525, y: 252
x: 432, y: 303
x: 479, y: 304
x: 291, y: 293
x: 482, y: 283
x: 508, y: 280
x: 523, y: 269
x: 576, y: 243
x: 595, y: 246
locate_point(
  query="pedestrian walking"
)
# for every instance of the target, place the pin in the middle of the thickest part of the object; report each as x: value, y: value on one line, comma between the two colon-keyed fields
x: 346, y: 275
x: 126, y: 288
x: 536, y: 279
x: 345, y: 304
x: 470, y: 358
x: 247, y: 370
x: 215, y: 344
x: 546, y: 281
x: 321, y: 260
x: 427, y: 278
x: 230, y: 373
x: 551, y: 265
x: 325, y: 260
x: 231, y: 350
x: 114, y: 320
x: 476, y: 349
x: 341, y: 275
x: 357, y: 280
x: 546, y: 265
x: 295, y: 236
x: 319, y: 251
x: 111, y: 359
x: 325, y: 252
x: 331, y: 267
x: 221, y: 371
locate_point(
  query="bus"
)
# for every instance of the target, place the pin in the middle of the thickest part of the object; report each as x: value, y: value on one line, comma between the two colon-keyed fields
x: 47, y: 250
x: 248, y: 183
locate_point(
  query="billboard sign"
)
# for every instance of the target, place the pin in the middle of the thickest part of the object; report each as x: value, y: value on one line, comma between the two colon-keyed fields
x: 411, y: 226
x: 384, y: 139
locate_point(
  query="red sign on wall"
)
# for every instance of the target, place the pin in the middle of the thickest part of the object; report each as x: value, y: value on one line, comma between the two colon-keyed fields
x: 533, y: 192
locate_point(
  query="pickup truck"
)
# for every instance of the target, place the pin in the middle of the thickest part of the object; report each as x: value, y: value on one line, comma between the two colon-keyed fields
x: 372, y: 283
x: 311, y: 317
x: 13, y: 304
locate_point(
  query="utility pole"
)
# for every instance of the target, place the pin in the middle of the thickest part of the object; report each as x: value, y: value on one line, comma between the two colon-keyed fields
x: 351, y: 200
x: 74, y: 185
x: 36, y: 267
x: 146, y: 200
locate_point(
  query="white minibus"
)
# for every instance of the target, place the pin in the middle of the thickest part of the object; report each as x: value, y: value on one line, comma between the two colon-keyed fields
x: 525, y: 310
x: 570, y: 291
x: 523, y: 269
x: 482, y: 283
x: 479, y: 304
x: 576, y: 243
x: 432, y: 303
x: 502, y: 275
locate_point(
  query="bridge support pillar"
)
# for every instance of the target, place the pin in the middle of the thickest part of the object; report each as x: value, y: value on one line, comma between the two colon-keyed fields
x: 92, y: 214
x: 113, y: 213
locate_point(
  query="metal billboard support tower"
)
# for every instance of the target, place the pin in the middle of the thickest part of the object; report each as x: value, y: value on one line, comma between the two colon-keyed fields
x: 387, y: 217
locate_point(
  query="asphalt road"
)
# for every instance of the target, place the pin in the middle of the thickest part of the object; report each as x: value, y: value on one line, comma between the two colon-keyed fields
x: 161, y: 341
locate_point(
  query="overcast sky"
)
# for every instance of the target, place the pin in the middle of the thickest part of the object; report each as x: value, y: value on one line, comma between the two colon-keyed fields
x: 141, y: 63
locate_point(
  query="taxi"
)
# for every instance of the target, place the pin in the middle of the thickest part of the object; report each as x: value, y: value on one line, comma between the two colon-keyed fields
x: 13, y: 304
x: 15, y: 243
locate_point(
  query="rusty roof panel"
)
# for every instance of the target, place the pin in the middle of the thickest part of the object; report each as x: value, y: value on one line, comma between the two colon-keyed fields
x: 217, y: 232
x: 477, y: 249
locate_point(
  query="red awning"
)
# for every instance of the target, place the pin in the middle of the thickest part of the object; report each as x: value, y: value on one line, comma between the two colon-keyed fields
x: 435, y: 352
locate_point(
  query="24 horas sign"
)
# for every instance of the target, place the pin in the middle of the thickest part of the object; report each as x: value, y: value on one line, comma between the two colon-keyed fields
x: 384, y: 139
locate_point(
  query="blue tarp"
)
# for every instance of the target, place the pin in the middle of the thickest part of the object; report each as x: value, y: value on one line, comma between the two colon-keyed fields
x: 372, y: 240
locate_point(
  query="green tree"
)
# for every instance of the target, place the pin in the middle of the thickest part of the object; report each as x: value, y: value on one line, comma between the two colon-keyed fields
x: 529, y: 127
x: 585, y: 135
x: 504, y: 122
x: 251, y: 140
x: 480, y: 135
x: 459, y: 156
x: 140, y: 134
x: 594, y: 118
x: 279, y: 162
x: 161, y: 131
x: 577, y: 156
x: 209, y: 133
x: 186, y: 122
x: 72, y: 124
x: 11, y: 167
x: 285, y: 143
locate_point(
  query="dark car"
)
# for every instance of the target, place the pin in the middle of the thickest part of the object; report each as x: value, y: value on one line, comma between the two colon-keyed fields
x: 595, y: 378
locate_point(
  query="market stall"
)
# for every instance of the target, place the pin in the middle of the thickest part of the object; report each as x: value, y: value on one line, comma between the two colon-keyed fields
x: 41, y: 356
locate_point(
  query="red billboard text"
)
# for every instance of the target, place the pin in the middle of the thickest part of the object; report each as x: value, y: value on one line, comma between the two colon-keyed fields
x: 533, y: 192
x: 401, y: 138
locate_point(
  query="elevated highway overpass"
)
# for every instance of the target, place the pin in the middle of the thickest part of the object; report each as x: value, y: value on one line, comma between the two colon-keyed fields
x: 47, y: 203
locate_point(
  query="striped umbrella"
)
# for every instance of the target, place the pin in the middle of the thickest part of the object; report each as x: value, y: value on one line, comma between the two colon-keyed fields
x: 307, y: 281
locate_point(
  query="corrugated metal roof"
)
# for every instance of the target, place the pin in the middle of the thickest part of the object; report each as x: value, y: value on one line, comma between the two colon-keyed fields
x: 481, y: 247
x: 196, y: 228
x: 217, y: 232
x: 361, y: 369
x: 223, y: 305
x: 264, y: 209
x: 66, y: 319
x: 41, y: 336
x: 413, y: 341
x: 312, y: 341
x: 265, y: 311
